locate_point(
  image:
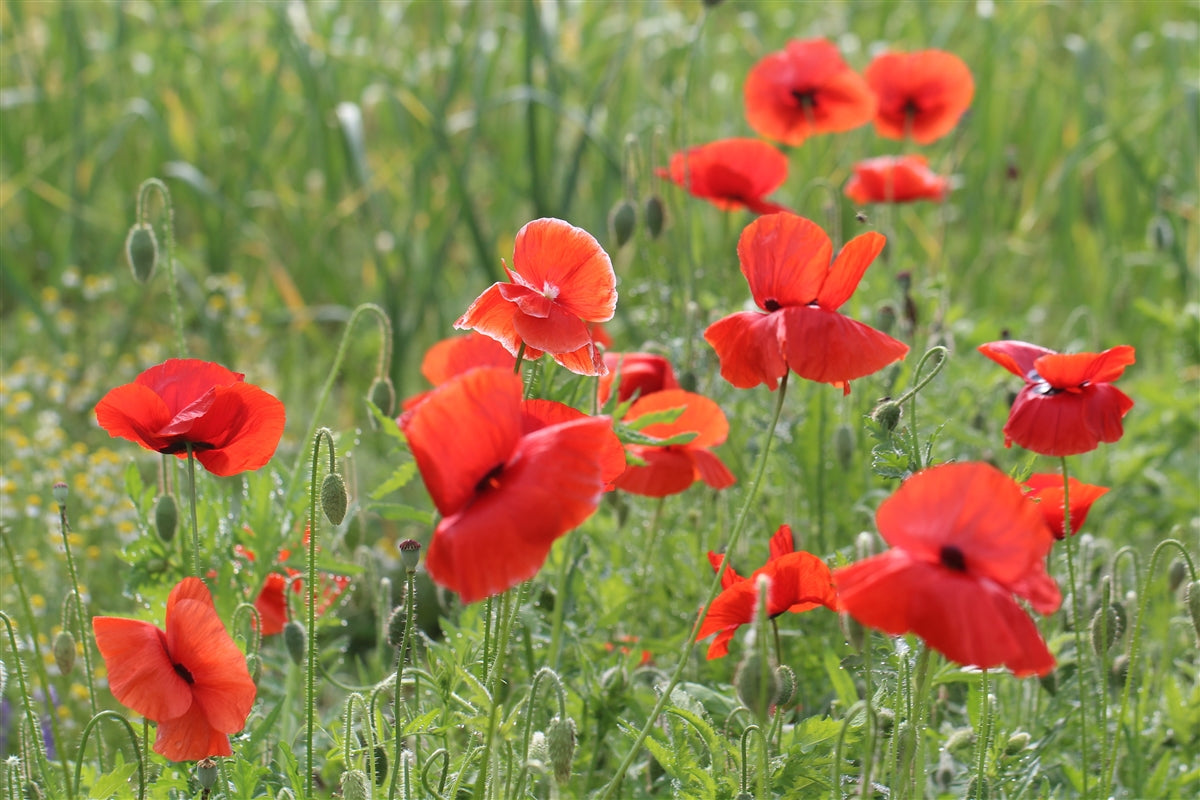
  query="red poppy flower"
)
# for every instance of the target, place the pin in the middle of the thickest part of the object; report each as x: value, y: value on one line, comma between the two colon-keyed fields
x: 191, y: 679
x: 799, y: 581
x: 561, y: 280
x: 806, y: 89
x: 785, y: 259
x: 505, y: 491
x: 640, y: 373
x: 964, y: 539
x: 537, y: 414
x: 232, y: 426
x: 731, y: 174
x: 1047, y: 490
x: 272, y: 601
x: 921, y: 94
x: 669, y: 469
x: 1069, y: 404
x: 456, y: 355
x: 895, y: 179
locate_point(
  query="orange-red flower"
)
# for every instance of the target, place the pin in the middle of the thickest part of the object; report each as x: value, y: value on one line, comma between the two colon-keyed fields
x: 731, y: 174
x: 560, y: 281
x: 669, y: 469
x: 895, y: 179
x: 456, y: 355
x: 640, y: 373
x: 272, y: 604
x: 786, y: 260
x: 1047, y: 489
x: 799, y: 581
x: 964, y: 539
x: 507, y: 480
x: 1069, y: 404
x: 231, y: 425
x: 921, y: 94
x: 806, y: 89
x: 190, y: 679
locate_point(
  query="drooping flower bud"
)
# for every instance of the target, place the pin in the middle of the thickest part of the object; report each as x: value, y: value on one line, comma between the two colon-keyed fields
x: 1105, y: 628
x: 843, y: 446
x: 560, y: 742
x: 621, y: 221
x: 787, y: 685
x: 960, y: 738
x: 355, y: 785
x: 64, y: 652
x: 1192, y: 597
x: 410, y: 554
x: 754, y: 694
x: 166, y: 517
x: 333, y: 498
x: 887, y: 414
x: 141, y: 250
x: 295, y: 639
x: 383, y: 395
x: 1016, y: 743
x: 206, y: 773
x: 655, y: 215
x: 1176, y: 574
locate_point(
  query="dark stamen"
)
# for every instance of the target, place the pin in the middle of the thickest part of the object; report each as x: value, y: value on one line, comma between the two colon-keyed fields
x: 805, y: 99
x: 771, y: 304
x: 181, y: 447
x: 952, y: 558
x: 182, y: 672
x: 491, y: 479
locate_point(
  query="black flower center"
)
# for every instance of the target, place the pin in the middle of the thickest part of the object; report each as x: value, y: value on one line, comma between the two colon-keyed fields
x: 182, y: 672
x: 491, y: 480
x: 771, y: 304
x: 181, y: 447
x: 952, y: 558
x: 805, y: 98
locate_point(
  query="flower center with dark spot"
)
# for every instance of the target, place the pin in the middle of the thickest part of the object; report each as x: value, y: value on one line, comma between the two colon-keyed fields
x: 771, y: 304
x: 491, y: 480
x: 911, y: 109
x: 181, y: 447
x: 805, y: 99
x: 952, y: 558
x: 182, y: 672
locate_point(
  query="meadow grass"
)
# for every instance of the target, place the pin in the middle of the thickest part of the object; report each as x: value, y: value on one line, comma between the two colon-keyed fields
x: 325, y: 155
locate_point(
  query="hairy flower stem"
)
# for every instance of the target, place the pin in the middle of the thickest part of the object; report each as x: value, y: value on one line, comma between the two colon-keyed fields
x: 191, y: 462
x: 1081, y: 660
x: 985, y: 732
x: 26, y: 696
x: 155, y: 185
x: 912, y: 770
x: 81, y: 633
x: 137, y: 749
x: 822, y: 419
x: 688, y: 276
x: 410, y: 610
x: 509, y: 605
x: 714, y: 587
x: 310, y: 673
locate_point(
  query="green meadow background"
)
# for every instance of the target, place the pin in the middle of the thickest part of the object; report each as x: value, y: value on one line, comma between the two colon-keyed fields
x: 321, y: 155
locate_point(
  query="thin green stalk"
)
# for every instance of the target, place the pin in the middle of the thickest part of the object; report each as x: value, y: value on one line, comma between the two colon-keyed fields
x: 80, y: 633
x: 919, y: 699
x: 26, y: 696
x: 689, y: 273
x: 561, y: 695
x: 714, y: 587
x: 365, y: 720
x: 155, y: 185
x: 191, y: 462
x: 137, y: 749
x: 1077, y: 618
x: 310, y: 702
x: 985, y: 730
x: 822, y: 414
x: 410, y: 592
x: 509, y: 606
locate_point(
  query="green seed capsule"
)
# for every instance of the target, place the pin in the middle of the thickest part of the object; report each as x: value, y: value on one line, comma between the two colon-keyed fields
x: 295, y: 639
x: 141, y: 250
x: 655, y: 214
x: 383, y: 395
x: 64, y: 652
x: 621, y: 222
x: 166, y: 517
x: 560, y: 741
x: 333, y: 498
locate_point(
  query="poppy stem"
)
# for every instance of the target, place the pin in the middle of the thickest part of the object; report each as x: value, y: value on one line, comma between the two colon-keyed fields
x: 510, y: 604
x: 311, y: 578
x: 714, y: 587
x: 191, y: 461
x: 519, y: 359
x: 1076, y: 623
x: 912, y: 751
x: 981, y: 740
x: 410, y: 610
x: 87, y: 731
x: 155, y: 185
x: 25, y: 695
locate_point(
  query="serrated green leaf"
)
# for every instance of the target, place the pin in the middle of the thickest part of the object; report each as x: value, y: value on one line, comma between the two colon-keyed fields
x: 665, y: 417
x: 398, y: 480
x: 108, y: 785
x: 387, y: 424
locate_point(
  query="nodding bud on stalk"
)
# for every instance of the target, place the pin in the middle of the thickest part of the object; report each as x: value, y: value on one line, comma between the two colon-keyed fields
x: 1193, y: 603
x: 141, y: 250
x: 1106, y: 627
x: 355, y: 785
x: 166, y: 517
x: 64, y: 652
x: 621, y: 222
x: 1176, y: 574
x: 206, y: 773
x: 887, y: 414
x: 1016, y: 743
x: 560, y: 742
x: 383, y: 395
x: 655, y: 214
x: 333, y: 498
x: 843, y: 446
x: 754, y: 694
x: 787, y: 685
x: 295, y: 638
x: 410, y: 554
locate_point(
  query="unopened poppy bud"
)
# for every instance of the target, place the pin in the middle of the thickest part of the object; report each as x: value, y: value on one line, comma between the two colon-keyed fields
x: 864, y: 545
x: 1016, y: 743
x: 887, y: 414
x: 333, y: 498
x: 1160, y: 233
x: 843, y: 446
x: 60, y: 495
x: 383, y: 395
x: 787, y: 685
x: 560, y: 743
x: 943, y: 775
x: 254, y: 666
x: 141, y: 250
x: 64, y: 652
x: 1192, y: 596
x: 397, y: 622
x: 655, y: 214
x: 206, y: 773
x: 885, y: 317
x: 381, y: 765
x: 295, y: 639
x: 855, y: 633
x: 355, y: 785
x: 410, y: 554
x: 538, y: 753
x: 1105, y: 628
x: 621, y: 222
x: 166, y: 517
x: 1049, y: 682
x: 1118, y: 671
x: 959, y: 739
x: 750, y: 688
x: 1176, y: 575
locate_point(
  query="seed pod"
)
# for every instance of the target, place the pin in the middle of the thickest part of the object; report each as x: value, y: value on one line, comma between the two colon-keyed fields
x: 295, y: 639
x: 621, y: 222
x: 141, y: 250
x: 750, y: 689
x: 206, y: 773
x: 1105, y: 628
x: 787, y: 685
x: 166, y: 517
x: 60, y: 494
x: 560, y: 741
x: 655, y: 214
x: 355, y: 785
x: 410, y: 554
x: 64, y: 652
x: 960, y: 738
x: 843, y: 446
x: 383, y: 395
x: 333, y: 498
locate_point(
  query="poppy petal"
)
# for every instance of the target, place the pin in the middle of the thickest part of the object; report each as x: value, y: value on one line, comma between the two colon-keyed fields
x: 458, y: 354
x: 848, y: 269
x: 491, y: 315
x: 729, y: 577
x: 1067, y: 423
x: 190, y: 737
x: 271, y: 604
x: 1077, y: 369
x: 827, y: 347
x: 700, y: 415
x: 140, y: 672
x: 557, y: 332
x: 180, y: 382
x: 551, y: 253
x: 921, y: 94
x: 640, y: 374
x: 785, y: 259
x: 1016, y: 357
x: 1047, y: 491
x: 712, y: 470
x: 667, y: 471
x: 799, y: 581
x: 782, y: 542
x: 136, y: 413
x: 243, y: 425
x: 748, y: 346
x: 537, y: 414
x: 729, y: 609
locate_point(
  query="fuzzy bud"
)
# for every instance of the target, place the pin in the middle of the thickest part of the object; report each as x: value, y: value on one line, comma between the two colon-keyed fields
x: 943, y: 775
x: 64, y: 652
x: 410, y: 554
x: 166, y: 517
x: 1016, y: 743
x: 333, y: 498
x: 1176, y: 575
x: 1118, y: 671
x: 750, y: 688
x: 843, y: 446
x: 254, y: 667
x: 206, y: 773
x: 383, y: 395
x: 885, y: 721
x: 141, y: 250
x: 887, y: 414
x: 959, y: 739
x: 60, y: 495
x: 885, y: 317
x: 295, y: 639
x: 1192, y: 596
x: 864, y: 545
x: 1105, y: 628
x: 655, y: 214
x: 787, y: 685
x: 621, y: 222
x: 853, y: 630
x: 560, y: 742
x: 381, y: 764
x: 539, y: 752
x: 395, y: 627
x: 355, y: 785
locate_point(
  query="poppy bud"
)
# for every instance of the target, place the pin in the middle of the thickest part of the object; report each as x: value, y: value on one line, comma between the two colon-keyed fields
x: 60, y: 495
x: 560, y: 742
x: 887, y: 414
x: 621, y: 222
x: 397, y: 622
x: 959, y: 739
x: 166, y: 517
x: 410, y: 554
x: 843, y: 446
x: 206, y: 773
x: 538, y: 753
x: 885, y: 720
x: 787, y: 685
x: 885, y: 317
x: 141, y: 250
x: 1192, y: 596
x: 1118, y: 671
x: 904, y: 281
x: 1160, y: 234
x: 1176, y: 574
x: 383, y: 395
x: 1105, y: 628
x: 855, y: 633
x: 254, y: 666
x: 64, y: 652
x: 333, y: 498
x: 1016, y: 743
x: 750, y: 689
x: 943, y: 775
x: 655, y: 214
x: 295, y: 638
x: 355, y: 785
x: 864, y: 545
x: 1049, y: 682
x: 381, y: 765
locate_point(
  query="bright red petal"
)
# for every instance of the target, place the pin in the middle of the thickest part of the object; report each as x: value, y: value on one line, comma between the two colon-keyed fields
x: 1016, y: 357
x: 895, y: 179
x: 272, y: 604
x: 492, y: 316
x: 551, y: 485
x: 668, y: 471
x: 140, y: 672
x: 785, y: 259
x: 920, y: 94
x: 553, y: 254
x: 711, y: 470
x: 640, y: 374
x: 458, y: 354
x: 1047, y: 491
x: 731, y: 173
x: 782, y: 542
x: 848, y: 269
x: 180, y: 382
x: 557, y: 332
x: 136, y: 413
x: 731, y: 608
x: 190, y: 738
x: 700, y: 415
x: 587, y: 360
x: 1078, y: 369
x: 748, y: 345
x: 826, y: 347
x: 242, y: 427
x: 729, y: 577
x: 464, y: 430
x: 799, y: 581
x: 537, y: 414
x: 1067, y: 423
